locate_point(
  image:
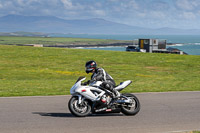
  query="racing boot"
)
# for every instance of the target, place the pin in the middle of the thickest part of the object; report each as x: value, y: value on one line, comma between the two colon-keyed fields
x: 115, y: 96
x: 116, y: 93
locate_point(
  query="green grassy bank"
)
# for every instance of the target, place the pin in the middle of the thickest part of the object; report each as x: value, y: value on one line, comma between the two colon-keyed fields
x: 56, y: 40
x: 27, y: 71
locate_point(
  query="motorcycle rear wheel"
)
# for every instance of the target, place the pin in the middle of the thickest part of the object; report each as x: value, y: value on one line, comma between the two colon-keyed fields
x: 80, y: 110
x: 131, y: 109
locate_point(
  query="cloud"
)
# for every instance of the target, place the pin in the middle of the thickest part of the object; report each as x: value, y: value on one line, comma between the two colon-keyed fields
x: 1, y: 6
x: 67, y: 4
x: 26, y: 2
x: 99, y: 12
x: 21, y: 2
x: 187, y: 4
x: 128, y: 4
x: 133, y: 4
x: 157, y: 15
x: 141, y: 14
x: 159, y: 5
x: 188, y: 15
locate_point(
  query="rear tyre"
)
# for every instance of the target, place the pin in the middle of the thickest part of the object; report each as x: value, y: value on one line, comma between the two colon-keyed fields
x: 80, y: 110
x: 133, y: 108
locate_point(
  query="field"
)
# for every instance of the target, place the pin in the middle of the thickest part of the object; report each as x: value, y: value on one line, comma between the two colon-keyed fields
x: 46, y: 41
x: 30, y: 71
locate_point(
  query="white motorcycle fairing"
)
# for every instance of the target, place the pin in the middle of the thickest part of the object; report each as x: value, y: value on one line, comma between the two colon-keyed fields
x: 123, y: 85
x: 86, y: 91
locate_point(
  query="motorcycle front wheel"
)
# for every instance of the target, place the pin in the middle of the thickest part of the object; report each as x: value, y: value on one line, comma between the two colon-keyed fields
x: 81, y: 110
x: 131, y: 108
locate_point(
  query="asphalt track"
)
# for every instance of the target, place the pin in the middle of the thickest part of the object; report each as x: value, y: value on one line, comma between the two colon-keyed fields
x: 160, y: 113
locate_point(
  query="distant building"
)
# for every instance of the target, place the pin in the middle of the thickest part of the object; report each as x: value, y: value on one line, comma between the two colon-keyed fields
x: 151, y: 45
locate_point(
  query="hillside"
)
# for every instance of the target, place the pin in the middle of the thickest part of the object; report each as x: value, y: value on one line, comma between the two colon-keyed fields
x: 26, y: 71
x: 51, y: 24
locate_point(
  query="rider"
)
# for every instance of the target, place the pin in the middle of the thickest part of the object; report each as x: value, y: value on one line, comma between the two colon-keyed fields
x: 99, y: 74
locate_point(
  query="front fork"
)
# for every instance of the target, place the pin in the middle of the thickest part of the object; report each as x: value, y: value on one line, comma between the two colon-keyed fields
x: 80, y: 99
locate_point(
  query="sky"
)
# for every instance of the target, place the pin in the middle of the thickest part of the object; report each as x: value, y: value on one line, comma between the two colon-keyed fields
x: 184, y: 14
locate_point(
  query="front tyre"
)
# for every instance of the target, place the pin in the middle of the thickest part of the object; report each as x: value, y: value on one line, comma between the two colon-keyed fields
x: 131, y: 108
x: 79, y: 110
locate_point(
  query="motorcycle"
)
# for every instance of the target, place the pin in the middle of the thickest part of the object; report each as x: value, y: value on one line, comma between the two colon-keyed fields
x: 95, y: 99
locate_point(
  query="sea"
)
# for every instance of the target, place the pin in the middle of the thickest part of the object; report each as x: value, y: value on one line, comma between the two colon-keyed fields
x: 190, y: 44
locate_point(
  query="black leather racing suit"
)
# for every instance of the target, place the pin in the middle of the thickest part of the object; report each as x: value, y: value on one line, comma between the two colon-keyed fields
x: 101, y: 75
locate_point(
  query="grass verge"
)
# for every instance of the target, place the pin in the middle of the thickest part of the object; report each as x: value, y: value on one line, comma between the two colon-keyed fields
x: 30, y: 71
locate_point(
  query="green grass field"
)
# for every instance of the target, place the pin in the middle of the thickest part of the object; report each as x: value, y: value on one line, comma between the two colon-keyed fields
x: 55, y: 40
x: 30, y: 71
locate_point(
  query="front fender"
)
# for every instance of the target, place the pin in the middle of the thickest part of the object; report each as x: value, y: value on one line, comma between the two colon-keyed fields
x: 81, y: 99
